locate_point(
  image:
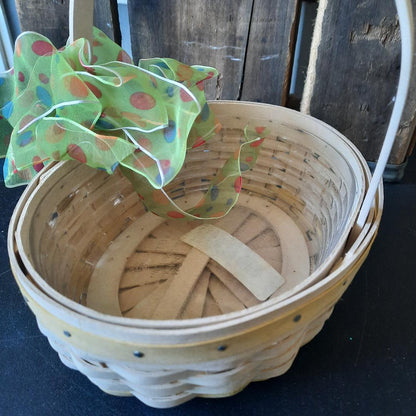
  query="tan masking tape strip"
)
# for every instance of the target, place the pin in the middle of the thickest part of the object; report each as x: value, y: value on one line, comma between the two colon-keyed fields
x: 245, y: 265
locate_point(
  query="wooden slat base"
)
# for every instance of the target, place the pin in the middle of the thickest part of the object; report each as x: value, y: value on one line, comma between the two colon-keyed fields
x: 149, y: 272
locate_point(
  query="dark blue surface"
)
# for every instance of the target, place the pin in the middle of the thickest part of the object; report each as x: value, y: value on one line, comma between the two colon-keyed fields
x: 362, y: 363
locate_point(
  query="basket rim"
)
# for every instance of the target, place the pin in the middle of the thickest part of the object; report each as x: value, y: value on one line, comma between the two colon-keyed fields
x: 263, y: 308
x: 207, y: 325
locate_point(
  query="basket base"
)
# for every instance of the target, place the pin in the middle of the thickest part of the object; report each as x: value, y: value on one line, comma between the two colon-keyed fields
x: 159, y: 276
x: 171, y: 387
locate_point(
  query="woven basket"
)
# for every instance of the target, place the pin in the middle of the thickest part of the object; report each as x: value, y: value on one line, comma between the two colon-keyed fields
x: 125, y: 301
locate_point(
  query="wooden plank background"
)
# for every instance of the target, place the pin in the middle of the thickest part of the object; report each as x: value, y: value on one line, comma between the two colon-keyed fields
x: 50, y: 18
x: 212, y: 33
x: 352, y: 73
x: 270, y: 51
x: 238, y: 38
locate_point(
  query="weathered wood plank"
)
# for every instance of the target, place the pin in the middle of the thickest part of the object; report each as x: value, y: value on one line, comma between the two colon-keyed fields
x: 50, y: 18
x: 106, y: 19
x: 270, y: 51
x: 212, y: 33
x: 353, y: 74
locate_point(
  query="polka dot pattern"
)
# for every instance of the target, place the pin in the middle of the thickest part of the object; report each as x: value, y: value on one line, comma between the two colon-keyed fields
x: 37, y: 163
x: 25, y: 121
x: 7, y: 109
x: 159, y: 198
x: 185, y: 97
x: 75, y: 152
x: 105, y: 143
x: 214, y: 193
x: 256, y: 143
x: 44, y: 79
x: 41, y: 48
x: 123, y: 56
x: 142, y: 101
x: 205, y: 113
x: 76, y: 87
x: 170, y: 132
x: 143, y: 161
x: 54, y: 134
x: 43, y: 96
x: 94, y: 89
x: 25, y: 138
x: 238, y: 184
x: 170, y: 91
x: 175, y: 214
x: 106, y: 113
x: 184, y: 72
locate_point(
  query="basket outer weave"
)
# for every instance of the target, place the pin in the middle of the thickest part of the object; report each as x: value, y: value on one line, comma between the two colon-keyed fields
x: 259, y: 353
x: 168, y: 366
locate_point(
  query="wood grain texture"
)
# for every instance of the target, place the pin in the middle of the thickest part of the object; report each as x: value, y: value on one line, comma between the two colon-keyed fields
x: 353, y: 77
x: 270, y: 51
x: 106, y: 18
x: 212, y: 33
x: 404, y: 145
x: 50, y: 18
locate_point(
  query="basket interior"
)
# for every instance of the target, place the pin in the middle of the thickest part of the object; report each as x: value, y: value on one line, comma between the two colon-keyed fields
x: 306, y: 180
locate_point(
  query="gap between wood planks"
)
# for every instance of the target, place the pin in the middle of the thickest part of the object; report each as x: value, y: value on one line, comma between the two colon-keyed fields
x: 289, y: 57
x: 240, y: 89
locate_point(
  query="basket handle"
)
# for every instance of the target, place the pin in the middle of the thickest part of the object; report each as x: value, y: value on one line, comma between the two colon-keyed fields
x: 81, y: 16
x: 404, y: 10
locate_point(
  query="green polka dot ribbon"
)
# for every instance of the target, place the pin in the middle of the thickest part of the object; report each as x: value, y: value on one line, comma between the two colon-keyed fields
x: 88, y: 102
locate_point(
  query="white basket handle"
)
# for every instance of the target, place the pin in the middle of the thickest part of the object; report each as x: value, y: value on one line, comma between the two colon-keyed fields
x: 404, y: 10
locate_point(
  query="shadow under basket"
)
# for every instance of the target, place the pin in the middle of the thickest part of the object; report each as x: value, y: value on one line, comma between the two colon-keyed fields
x: 127, y: 299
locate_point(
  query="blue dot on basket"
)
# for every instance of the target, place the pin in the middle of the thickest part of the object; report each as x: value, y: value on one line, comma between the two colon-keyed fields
x: 214, y: 193
x: 229, y: 201
x: 1, y: 81
x: 25, y: 138
x: 7, y: 110
x: 44, y: 96
x: 170, y: 131
x: 205, y: 113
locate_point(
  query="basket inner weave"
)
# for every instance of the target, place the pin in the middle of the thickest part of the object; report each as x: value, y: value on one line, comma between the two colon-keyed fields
x: 79, y: 216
